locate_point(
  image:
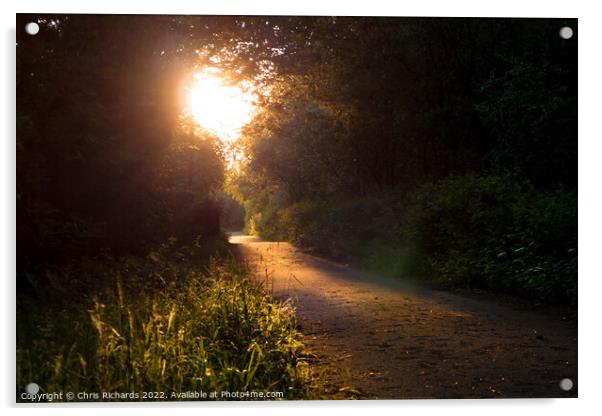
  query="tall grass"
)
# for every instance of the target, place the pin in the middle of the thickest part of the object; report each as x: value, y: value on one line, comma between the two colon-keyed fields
x: 161, y: 325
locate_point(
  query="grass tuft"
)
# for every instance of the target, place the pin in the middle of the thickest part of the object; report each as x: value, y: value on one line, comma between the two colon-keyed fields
x: 162, y: 325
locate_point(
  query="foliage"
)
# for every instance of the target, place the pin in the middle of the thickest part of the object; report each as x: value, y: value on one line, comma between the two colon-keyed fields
x: 493, y: 232
x: 334, y: 228
x: 354, y: 113
x: 160, y: 324
x: 105, y: 160
x: 436, y: 148
x: 367, y: 107
x: 532, y: 111
x: 232, y: 213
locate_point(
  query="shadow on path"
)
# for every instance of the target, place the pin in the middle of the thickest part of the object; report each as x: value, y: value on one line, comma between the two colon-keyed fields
x: 391, y: 339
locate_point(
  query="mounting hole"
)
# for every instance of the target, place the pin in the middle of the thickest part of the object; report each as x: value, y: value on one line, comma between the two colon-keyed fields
x: 32, y: 388
x: 566, y: 32
x: 32, y: 28
x: 566, y: 384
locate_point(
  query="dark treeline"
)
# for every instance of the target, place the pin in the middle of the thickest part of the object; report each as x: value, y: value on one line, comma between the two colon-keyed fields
x: 124, y: 281
x: 95, y: 125
x: 426, y: 136
x: 105, y: 160
x: 399, y: 102
x: 436, y: 147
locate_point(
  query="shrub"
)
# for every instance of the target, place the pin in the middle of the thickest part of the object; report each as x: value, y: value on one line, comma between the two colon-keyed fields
x: 496, y: 233
x: 339, y: 229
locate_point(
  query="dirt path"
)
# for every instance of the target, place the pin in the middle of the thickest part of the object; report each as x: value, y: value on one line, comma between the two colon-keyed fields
x: 391, y: 341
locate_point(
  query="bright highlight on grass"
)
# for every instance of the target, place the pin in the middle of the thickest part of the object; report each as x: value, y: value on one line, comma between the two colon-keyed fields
x: 220, y: 108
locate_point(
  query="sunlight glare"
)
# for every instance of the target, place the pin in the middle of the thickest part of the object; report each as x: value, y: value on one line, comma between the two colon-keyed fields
x: 220, y: 108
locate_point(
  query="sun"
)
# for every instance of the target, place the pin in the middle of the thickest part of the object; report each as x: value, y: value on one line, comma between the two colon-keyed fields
x: 220, y: 108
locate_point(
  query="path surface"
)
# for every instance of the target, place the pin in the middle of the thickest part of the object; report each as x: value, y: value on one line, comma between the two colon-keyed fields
x: 390, y: 341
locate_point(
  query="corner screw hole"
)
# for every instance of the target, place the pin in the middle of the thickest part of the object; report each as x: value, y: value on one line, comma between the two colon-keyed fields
x: 566, y: 32
x: 32, y: 28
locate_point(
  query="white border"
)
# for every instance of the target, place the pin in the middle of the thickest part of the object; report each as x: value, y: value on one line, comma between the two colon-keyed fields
x: 590, y: 210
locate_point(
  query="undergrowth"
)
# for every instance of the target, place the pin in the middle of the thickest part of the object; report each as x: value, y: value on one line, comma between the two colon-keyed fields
x: 492, y: 232
x: 161, y: 324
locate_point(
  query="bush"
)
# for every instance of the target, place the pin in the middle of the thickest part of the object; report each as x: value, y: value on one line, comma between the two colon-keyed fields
x: 495, y: 233
x: 339, y: 229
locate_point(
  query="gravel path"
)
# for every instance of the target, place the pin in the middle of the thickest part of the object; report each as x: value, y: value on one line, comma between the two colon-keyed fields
x: 389, y: 340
